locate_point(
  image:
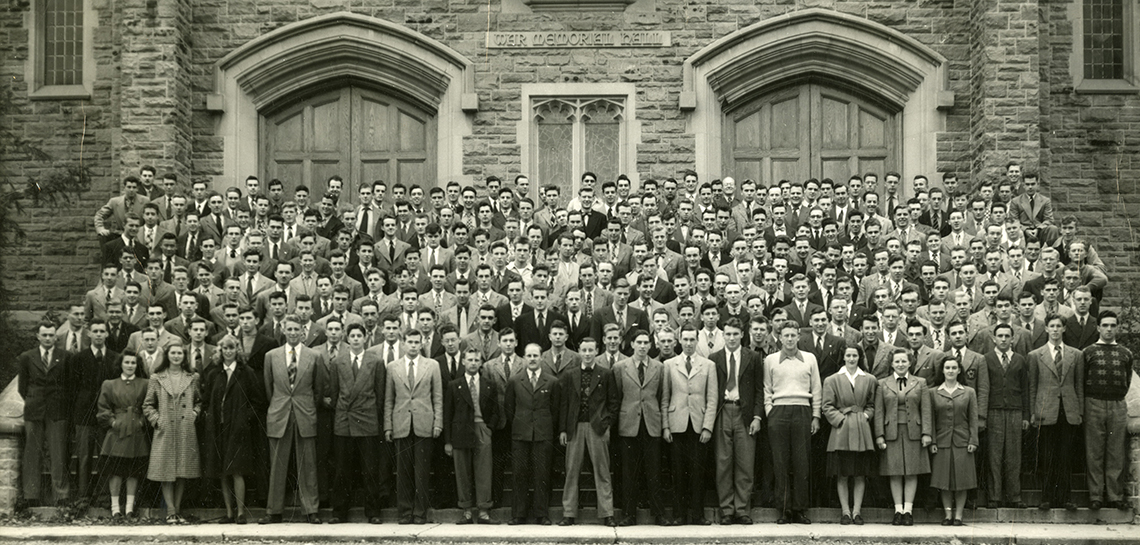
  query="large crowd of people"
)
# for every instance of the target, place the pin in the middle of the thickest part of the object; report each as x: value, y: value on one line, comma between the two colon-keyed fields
x: 799, y: 344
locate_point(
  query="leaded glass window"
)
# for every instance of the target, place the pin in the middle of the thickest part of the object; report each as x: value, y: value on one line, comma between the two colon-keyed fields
x: 576, y: 135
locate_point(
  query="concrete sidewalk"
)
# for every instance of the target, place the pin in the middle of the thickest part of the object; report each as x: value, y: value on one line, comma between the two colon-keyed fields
x: 1021, y: 534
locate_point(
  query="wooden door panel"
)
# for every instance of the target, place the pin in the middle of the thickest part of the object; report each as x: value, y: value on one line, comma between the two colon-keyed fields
x: 373, y: 125
x: 768, y: 140
x: 787, y: 124
x: 412, y: 132
x: 872, y: 129
x: 834, y: 124
x: 411, y: 171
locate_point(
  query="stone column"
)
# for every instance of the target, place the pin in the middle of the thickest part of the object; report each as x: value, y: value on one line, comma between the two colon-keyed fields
x: 1132, y: 489
x: 11, y: 431
x: 1004, y: 81
x: 154, y: 87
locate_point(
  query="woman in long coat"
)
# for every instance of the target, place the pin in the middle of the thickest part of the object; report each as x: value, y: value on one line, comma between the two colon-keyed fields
x: 903, y: 433
x: 172, y: 405
x: 126, y: 445
x: 955, y: 439
x: 849, y: 405
x: 232, y: 398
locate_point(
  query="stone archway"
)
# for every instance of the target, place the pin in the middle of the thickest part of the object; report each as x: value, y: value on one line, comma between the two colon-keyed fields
x: 338, y: 49
x: 875, y: 60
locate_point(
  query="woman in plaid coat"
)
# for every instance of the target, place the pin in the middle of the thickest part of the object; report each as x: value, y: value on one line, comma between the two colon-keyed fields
x: 171, y: 406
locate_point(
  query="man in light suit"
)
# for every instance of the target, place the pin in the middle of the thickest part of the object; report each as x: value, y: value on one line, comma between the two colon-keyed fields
x: 413, y: 417
x: 96, y: 301
x: 112, y: 217
x: 295, y: 384
x: 359, y: 381
x: 588, y: 406
x: 644, y: 393
x: 691, y: 416
x: 438, y: 299
x: 559, y: 358
x: 1032, y: 209
x: 530, y: 404
x: 1056, y: 398
x: 390, y: 250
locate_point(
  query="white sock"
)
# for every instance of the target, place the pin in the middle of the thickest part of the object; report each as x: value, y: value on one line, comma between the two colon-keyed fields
x: 907, y: 506
x: 114, y: 505
x: 899, y: 508
x: 948, y: 512
x: 130, y: 503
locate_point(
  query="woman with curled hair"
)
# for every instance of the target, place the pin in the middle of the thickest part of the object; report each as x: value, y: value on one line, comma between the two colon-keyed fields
x: 955, y: 419
x: 849, y: 406
x: 171, y: 406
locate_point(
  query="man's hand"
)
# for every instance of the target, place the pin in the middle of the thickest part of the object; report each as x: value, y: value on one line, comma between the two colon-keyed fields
x: 447, y: 449
x: 934, y: 449
x: 562, y: 438
x: 103, y: 232
x: 882, y: 444
x: 668, y: 435
x: 754, y: 427
x: 926, y: 441
x: 706, y: 436
x: 435, y: 432
x: 1024, y: 425
x: 388, y: 436
x: 969, y: 448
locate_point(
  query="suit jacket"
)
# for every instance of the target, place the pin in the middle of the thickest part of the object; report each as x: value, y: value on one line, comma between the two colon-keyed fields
x: 95, y: 302
x: 956, y: 417
x: 1052, y: 384
x: 594, y: 223
x: 504, y: 317
x: 804, y: 319
x: 602, y: 400
x: 569, y: 360
x: 299, y: 400
x: 446, y: 258
x: 579, y: 331
x: 459, y: 410
x: 427, y: 300
x: 1008, y: 388
x: 165, y: 338
x: 530, y: 411
x: 113, y: 215
x: 693, y: 394
x: 1078, y: 337
x: 64, y: 331
x: 923, y: 365
x: 44, y: 388
x: 830, y: 360
x: 889, y: 397
x: 1040, y: 212
x: 634, y: 320
x: 529, y: 332
x: 646, y: 401
x: 413, y: 407
x: 358, y: 394
x: 881, y: 367
x: 117, y: 337
x: 750, y: 382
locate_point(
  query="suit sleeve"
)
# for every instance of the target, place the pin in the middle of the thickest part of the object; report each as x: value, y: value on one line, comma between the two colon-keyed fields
x: 1079, y: 381
x: 389, y: 400
x: 437, y: 398
x: 816, y: 393
x: 983, y: 391
x: 509, y: 402
x: 878, y: 416
x: 767, y: 392
x: 381, y: 385
x: 925, y: 411
x: 448, y: 407
x: 829, y: 410
x: 711, y: 398
x: 972, y: 417
x: 665, y: 393
x: 22, y: 372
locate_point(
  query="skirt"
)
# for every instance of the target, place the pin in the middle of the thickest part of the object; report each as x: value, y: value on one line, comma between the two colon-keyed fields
x: 850, y: 463
x: 125, y: 467
x: 953, y: 469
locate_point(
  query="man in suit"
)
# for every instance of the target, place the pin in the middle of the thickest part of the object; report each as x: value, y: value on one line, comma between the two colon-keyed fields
x: 438, y: 299
x: 579, y: 321
x: 1056, y: 397
x: 118, y: 330
x: 86, y: 371
x: 112, y: 217
x: 534, y: 327
x: 413, y: 417
x: 589, y: 403
x: 738, y: 416
x: 558, y: 359
x: 644, y: 393
x: 593, y: 221
x: 692, y: 410
x: 295, y: 384
x: 800, y: 310
x: 1032, y: 209
x: 96, y: 301
x: 359, y: 381
x: 470, y: 409
x: 1035, y: 333
x: 1081, y: 330
x: 127, y: 244
x: 1006, y: 418
x: 530, y: 405
x: 72, y: 334
x: 433, y: 254
x: 43, y: 386
x: 828, y: 352
x: 628, y: 319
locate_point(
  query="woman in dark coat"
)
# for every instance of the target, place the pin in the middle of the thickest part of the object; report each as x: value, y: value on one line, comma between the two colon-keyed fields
x: 955, y: 409
x: 172, y: 405
x: 126, y: 445
x: 232, y: 397
x: 903, y: 433
x: 849, y: 406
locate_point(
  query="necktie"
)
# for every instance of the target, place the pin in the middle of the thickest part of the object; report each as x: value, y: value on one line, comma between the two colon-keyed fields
x: 621, y: 321
x: 613, y: 361
x: 434, y: 254
x: 641, y: 372
x: 1004, y: 361
x: 438, y: 303
x: 277, y: 329
x: 542, y: 316
x: 249, y: 287
x: 107, y: 299
x: 534, y: 380
x: 688, y: 365
x: 589, y: 301
x: 149, y: 237
x: 273, y: 251
x: 99, y: 356
x: 221, y: 230
x: 292, y: 368
x: 73, y: 346
x: 198, y: 358
x: 461, y: 314
x: 819, y: 345
x: 958, y: 355
x: 902, y: 383
x: 474, y: 390
x: 391, y: 251
x: 411, y: 371
x: 730, y: 384
x: 558, y: 361
x: 937, y: 335
x: 1031, y: 204
x: 366, y: 220
x: 391, y: 353
x: 1057, y: 355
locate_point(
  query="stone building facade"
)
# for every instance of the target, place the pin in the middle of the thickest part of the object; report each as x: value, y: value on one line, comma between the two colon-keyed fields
x: 428, y: 91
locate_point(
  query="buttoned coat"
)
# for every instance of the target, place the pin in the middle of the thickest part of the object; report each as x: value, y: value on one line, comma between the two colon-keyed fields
x: 171, y: 406
x: 308, y: 390
x: 602, y: 401
x: 693, y: 394
x: 459, y: 410
x: 232, y: 409
x: 413, y: 407
x: 956, y: 417
x: 44, y: 389
x: 646, y: 400
x: 85, y: 376
x: 531, y: 410
x: 1051, y: 384
x: 905, y: 454
x: 750, y: 382
x: 850, y: 411
x: 358, y: 393
x: 569, y: 360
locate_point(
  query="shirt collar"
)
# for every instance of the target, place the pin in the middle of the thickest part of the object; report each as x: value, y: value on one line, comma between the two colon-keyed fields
x: 947, y: 389
x: 796, y: 356
x: 858, y: 372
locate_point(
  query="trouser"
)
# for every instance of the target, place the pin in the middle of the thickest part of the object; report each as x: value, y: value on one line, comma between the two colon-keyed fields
x: 304, y: 451
x: 443, y: 493
x: 582, y: 439
x: 641, y: 460
x: 531, y: 467
x: 54, y: 433
x: 87, y: 445
x: 689, y: 457
x: 822, y: 487
x: 1004, y: 454
x: 982, y: 469
x: 359, y: 462
x: 790, y: 432
x: 501, y: 450
x: 1056, y: 450
x: 326, y: 459
x: 735, y: 461
x: 473, y: 471
x: 1105, y: 435
x: 413, y: 475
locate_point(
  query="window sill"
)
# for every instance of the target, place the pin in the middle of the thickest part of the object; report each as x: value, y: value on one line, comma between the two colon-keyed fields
x: 1106, y: 87
x: 578, y: 5
x: 60, y: 92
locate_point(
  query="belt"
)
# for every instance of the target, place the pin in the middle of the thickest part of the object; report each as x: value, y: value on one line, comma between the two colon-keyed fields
x: 732, y: 402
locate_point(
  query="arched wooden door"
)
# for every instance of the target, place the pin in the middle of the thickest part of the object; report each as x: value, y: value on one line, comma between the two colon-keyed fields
x: 356, y: 133
x: 808, y: 131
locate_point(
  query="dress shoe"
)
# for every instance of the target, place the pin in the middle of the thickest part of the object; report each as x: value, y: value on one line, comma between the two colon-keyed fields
x: 1045, y: 506
x: 566, y: 521
x: 1123, y: 505
x: 957, y: 522
x: 313, y: 518
x: 857, y: 519
x: 947, y: 522
x: 661, y: 520
x: 1095, y: 505
x: 628, y: 521
x: 419, y: 520
x: 845, y: 519
x: 1017, y: 505
x: 800, y: 518
x: 467, y: 518
x: 334, y: 520
x: 375, y: 520
x: 743, y: 520
x: 609, y: 521
x: 726, y: 520
x: 897, y: 519
x: 240, y: 519
x: 135, y: 515
x: 516, y: 521
x: 785, y: 518
x: 698, y: 520
x: 485, y: 518
x: 118, y: 517
x: 543, y: 521
x: 908, y: 519
x: 269, y: 519
x: 1070, y: 506
x: 406, y: 519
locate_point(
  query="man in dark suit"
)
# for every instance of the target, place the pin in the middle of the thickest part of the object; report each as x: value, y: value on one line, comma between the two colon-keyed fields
x: 530, y: 405
x: 43, y: 386
x: 800, y: 310
x: 739, y: 412
x: 359, y: 378
x: 118, y: 330
x: 828, y: 352
x: 470, y: 410
x: 1006, y: 417
x: 588, y: 404
x: 627, y: 318
x: 580, y: 323
x: 514, y: 308
x: 593, y: 222
x: 295, y: 383
x: 1081, y: 330
x: 535, y: 326
x: 126, y: 243
x: 86, y: 372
